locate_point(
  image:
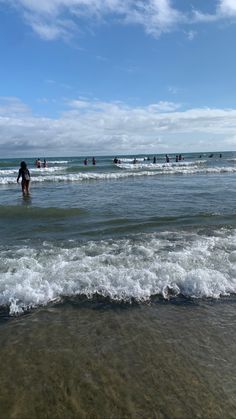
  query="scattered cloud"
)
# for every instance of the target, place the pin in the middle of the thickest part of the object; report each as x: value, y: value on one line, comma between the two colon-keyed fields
x: 173, y: 90
x: 56, y: 19
x: 50, y: 81
x: 96, y: 127
x: 49, y: 32
x: 101, y: 58
x: 191, y: 35
x: 156, y: 17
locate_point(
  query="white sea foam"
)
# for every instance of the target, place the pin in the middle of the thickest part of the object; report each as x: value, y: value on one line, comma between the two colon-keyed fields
x: 190, y: 264
x: 174, y: 166
x: 232, y: 160
x: 159, y: 166
x: 130, y: 159
x: 6, y: 172
x: 50, y: 169
x: 155, y: 170
x: 59, y: 161
x: 9, y: 172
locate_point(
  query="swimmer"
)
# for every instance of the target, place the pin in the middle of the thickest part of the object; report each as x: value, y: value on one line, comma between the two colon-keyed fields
x: 24, y: 174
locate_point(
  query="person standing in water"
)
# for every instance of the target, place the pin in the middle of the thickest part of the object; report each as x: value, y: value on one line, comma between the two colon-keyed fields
x: 38, y: 163
x: 24, y: 174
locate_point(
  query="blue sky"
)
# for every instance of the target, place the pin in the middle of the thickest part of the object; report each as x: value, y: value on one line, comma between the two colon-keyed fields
x: 81, y: 77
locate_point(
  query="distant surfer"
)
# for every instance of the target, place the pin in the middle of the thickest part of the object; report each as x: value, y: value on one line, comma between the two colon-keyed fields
x: 24, y: 174
x: 85, y: 161
x: 94, y: 161
x: 45, y: 164
x: 167, y: 158
x: 154, y: 159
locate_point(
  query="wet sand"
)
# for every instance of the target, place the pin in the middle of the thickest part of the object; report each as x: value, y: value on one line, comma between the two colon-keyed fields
x: 97, y: 360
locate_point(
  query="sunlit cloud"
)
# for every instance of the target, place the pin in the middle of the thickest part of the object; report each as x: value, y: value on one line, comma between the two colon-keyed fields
x: 227, y: 8
x: 97, y: 127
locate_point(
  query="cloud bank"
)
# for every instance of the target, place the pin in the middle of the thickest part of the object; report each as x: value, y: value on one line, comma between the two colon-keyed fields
x: 102, y: 128
x: 56, y: 19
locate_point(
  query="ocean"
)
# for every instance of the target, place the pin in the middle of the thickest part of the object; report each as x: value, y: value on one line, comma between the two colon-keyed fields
x: 117, y: 288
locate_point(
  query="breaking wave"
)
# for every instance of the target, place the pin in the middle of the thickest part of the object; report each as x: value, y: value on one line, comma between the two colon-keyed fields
x: 192, y: 264
x: 89, y: 176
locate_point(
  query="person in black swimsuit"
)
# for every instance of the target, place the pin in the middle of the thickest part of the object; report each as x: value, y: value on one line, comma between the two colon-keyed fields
x: 24, y: 174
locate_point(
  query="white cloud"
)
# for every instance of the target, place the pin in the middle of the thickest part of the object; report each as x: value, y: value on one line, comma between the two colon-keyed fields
x: 61, y: 18
x: 191, y: 35
x: 164, y: 106
x: 224, y: 9
x: 96, y: 127
x: 157, y: 16
x: 49, y: 32
x: 12, y: 106
x: 199, y: 17
x: 227, y: 8
x: 173, y: 90
x: 231, y: 142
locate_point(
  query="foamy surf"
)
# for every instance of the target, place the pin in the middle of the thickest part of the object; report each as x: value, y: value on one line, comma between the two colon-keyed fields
x: 159, y: 170
x: 168, y: 264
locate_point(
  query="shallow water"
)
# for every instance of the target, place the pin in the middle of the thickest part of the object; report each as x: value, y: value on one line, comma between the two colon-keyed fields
x: 93, y: 359
x: 117, y: 289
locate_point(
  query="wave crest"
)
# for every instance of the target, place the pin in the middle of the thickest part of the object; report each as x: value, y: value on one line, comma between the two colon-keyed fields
x: 190, y: 264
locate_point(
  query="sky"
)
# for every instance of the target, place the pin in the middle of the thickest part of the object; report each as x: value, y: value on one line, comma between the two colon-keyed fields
x: 115, y: 77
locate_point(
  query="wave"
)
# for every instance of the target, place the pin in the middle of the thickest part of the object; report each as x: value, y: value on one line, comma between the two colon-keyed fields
x: 232, y: 160
x: 89, y: 176
x: 47, y: 169
x: 59, y: 161
x: 131, y: 159
x: 22, y: 212
x: 7, y: 172
x: 159, y: 166
x: 168, y: 264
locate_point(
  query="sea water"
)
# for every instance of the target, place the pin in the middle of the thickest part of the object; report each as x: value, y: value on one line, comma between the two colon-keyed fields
x: 149, y: 248
x: 126, y: 231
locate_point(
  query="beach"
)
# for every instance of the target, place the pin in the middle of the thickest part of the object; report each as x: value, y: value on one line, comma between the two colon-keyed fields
x: 117, y: 288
